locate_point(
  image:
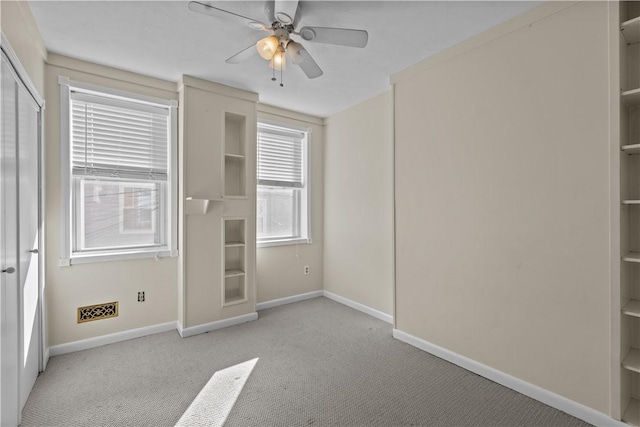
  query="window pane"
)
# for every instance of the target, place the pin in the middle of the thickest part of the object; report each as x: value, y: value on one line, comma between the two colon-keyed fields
x: 138, y: 208
x: 277, y: 213
x: 116, y: 214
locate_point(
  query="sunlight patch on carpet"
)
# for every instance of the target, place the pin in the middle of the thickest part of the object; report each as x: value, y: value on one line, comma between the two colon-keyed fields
x: 213, y: 404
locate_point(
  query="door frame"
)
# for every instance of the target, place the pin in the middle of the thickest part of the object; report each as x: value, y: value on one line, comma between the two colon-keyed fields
x: 43, y: 350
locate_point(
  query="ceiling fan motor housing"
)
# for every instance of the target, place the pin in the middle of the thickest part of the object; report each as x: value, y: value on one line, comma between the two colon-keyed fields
x: 282, y: 33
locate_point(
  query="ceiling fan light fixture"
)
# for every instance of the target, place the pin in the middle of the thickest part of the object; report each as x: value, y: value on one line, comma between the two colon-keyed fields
x: 296, y: 52
x: 267, y: 47
x: 279, y: 60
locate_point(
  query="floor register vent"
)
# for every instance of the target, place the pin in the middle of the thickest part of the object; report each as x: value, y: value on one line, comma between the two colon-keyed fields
x: 90, y: 313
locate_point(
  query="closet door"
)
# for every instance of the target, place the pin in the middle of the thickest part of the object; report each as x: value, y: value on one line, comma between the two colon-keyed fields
x: 28, y: 112
x: 9, y: 294
x: 19, y: 224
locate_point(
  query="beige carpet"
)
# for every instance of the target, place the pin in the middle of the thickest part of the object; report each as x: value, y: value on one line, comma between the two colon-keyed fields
x: 320, y: 364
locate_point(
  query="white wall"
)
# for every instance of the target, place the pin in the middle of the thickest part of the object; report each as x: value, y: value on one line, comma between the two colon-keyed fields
x: 358, y: 247
x: 87, y: 284
x: 280, y: 269
x: 502, y: 200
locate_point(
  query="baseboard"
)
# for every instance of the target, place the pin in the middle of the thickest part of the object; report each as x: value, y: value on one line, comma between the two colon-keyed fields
x: 179, y: 328
x: 288, y: 300
x: 219, y: 324
x: 45, y: 359
x: 360, y: 307
x: 88, y: 343
x: 547, y: 397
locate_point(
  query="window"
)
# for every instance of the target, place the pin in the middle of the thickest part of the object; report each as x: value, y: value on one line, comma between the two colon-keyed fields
x: 282, y: 209
x: 119, y: 173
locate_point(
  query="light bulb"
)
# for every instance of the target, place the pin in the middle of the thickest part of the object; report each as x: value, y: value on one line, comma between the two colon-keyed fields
x: 279, y: 60
x: 296, y: 52
x: 267, y: 47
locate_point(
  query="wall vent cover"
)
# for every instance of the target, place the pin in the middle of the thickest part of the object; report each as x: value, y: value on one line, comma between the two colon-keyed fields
x: 97, y: 312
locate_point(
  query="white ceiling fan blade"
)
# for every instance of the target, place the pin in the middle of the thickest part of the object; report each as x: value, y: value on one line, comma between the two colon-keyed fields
x: 242, y: 55
x: 310, y: 68
x: 338, y: 36
x: 207, y: 9
x: 296, y: 19
x: 285, y: 11
x: 268, y: 9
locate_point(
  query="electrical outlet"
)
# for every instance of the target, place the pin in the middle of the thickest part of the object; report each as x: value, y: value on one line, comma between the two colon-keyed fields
x: 306, y: 269
x: 141, y: 296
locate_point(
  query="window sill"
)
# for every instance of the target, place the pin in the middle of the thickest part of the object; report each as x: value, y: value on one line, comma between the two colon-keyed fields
x: 284, y: 242
x: 118, y: 256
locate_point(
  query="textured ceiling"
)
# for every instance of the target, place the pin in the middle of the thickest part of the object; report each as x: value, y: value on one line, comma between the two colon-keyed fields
x: 165, y: 40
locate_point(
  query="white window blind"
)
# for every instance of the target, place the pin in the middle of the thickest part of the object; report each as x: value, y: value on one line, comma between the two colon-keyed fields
x: 119, y: 139
x: 280, y: 157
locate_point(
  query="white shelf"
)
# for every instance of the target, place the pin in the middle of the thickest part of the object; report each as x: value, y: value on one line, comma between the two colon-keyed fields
x: 632, y: 413
x: 632, y: 308
x: 631, y: 361
x: 631, y: 30
x: 631, y: 257
x: 631, y: 149
x: 631, y: 98
x: 234, y: 156
x: 631, y: 202
x: 193, y: 206
x: 235, y: 297
x: 233, y: 273
x: 233, y: 244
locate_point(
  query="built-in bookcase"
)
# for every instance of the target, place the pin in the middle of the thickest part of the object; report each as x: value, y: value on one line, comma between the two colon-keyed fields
x: 235, y: 141
x: 235, y: 250
x: 217, y: 188
x: 630, y: 212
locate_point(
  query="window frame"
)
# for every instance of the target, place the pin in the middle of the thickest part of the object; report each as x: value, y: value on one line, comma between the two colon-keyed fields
x: 67, y: 228
x: 304, y: 213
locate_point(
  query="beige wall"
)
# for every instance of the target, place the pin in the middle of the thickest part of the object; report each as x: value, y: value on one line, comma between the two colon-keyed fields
x: 87, y: 284
x: 502, y: 202
x: 19, y: 27
x: 280, y: 269
x: 358, y: 206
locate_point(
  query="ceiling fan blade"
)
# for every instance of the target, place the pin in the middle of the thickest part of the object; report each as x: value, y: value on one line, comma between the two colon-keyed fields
x: 296, y: 19
x: 310, y: 68
x: 207, y: 9
x: 285, y: 11
x: 338, y: 36
x: 268, y: 9
x: 242, y: 55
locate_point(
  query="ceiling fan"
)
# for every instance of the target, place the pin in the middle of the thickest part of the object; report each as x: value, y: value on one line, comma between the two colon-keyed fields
x: 284, y: 17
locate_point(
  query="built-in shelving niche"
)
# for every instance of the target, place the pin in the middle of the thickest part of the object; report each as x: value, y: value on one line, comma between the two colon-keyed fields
x: 630, y: 212
x: 234, y: 290
x: 630, y: 320
x: 630, y: 366
x: 235, y: 140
